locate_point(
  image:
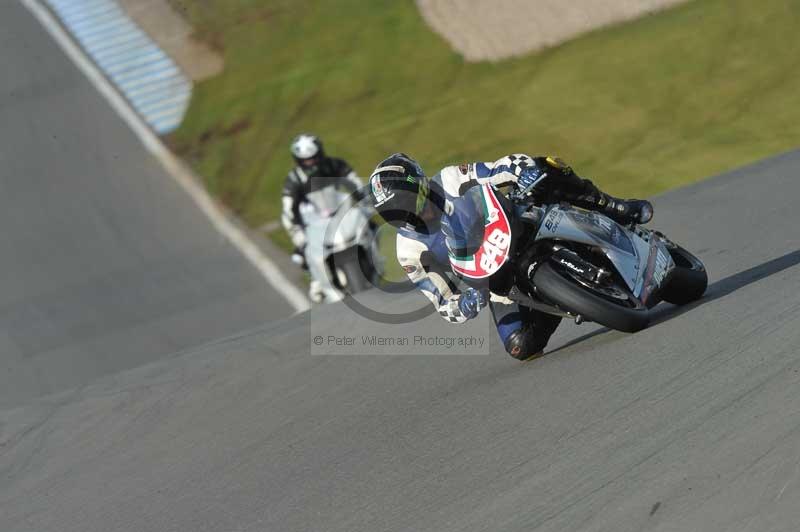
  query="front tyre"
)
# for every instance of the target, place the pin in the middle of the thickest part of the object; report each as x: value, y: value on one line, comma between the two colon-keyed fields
x: 354, y: 272
x: 623, y: 313
x: 687, y: 281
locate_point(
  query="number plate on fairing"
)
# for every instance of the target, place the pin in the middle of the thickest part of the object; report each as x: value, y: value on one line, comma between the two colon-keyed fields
x: 494, y: 251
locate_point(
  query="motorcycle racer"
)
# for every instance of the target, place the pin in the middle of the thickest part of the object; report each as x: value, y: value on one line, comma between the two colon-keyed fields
x: 314, y: 174
x: 436, y: 216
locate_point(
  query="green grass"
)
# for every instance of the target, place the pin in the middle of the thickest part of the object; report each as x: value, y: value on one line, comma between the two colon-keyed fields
x: 640, y: 108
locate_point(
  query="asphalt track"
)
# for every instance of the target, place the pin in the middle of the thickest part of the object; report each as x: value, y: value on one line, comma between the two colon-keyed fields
x: 690, y: 425
x: 105, y: 264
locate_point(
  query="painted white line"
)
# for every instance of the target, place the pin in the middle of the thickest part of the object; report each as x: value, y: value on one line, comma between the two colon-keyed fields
x: 174, y: 166
x: 150, y: 52
x: 115, y: 46
x: 72, y: 8
x: 139, y: 64
x: 72, y: 4
x: 134, y: 76
x: 101, y: 41
x: 146, y: 90
x: 91, y: 34
x: 100, y: 16
x: 153, y: 81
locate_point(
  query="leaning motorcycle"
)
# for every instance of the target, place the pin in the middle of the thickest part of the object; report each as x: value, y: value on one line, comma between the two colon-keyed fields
x: 570, y: 262
x: 341, y: 251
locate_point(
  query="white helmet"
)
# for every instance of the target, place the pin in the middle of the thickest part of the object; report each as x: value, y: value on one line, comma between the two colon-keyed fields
x: 307, y: 150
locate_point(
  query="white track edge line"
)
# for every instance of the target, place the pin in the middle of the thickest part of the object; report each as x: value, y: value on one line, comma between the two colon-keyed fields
x: 174, y: 166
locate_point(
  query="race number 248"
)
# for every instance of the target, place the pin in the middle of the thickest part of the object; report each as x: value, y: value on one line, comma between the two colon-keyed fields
x: 494, y: 250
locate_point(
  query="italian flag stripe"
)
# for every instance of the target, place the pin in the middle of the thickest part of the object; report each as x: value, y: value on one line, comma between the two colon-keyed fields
x: 467, y: 263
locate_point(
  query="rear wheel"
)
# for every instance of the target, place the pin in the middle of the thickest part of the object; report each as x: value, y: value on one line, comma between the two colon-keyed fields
x: 611, y: 305
x: 687, y: 281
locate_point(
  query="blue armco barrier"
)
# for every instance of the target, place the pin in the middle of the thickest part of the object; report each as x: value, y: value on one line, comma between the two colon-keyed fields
x: 147, y: 77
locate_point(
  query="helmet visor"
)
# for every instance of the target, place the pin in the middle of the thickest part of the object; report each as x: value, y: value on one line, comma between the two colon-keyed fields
x: 306, y: 164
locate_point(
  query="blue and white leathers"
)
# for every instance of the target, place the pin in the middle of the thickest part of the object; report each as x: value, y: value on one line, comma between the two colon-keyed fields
x: 426, y: 258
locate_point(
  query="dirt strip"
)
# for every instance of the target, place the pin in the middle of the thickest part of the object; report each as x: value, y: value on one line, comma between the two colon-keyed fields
x: 492, y: 30
x: 174, y: 35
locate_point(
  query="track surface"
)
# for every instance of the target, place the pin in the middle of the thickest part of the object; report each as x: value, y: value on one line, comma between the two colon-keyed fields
x: 692, y: 424
x: 105, y: 263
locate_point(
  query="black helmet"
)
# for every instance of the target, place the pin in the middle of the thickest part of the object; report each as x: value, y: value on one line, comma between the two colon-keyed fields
x: 400, y: 190
x: 308, y: 152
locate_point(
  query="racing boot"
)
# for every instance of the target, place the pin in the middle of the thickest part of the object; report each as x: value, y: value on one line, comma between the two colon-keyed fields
x: 315, y: 292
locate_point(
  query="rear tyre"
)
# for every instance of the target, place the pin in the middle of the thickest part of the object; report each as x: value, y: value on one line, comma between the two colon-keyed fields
x: 688, y: 281
x: 560, y: 288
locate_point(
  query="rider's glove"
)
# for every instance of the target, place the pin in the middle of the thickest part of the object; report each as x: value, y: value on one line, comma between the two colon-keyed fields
x: 471, y: 301
x: 628, y: 211
x: 637, y: 211
x: 529, y: 177
x: 642, y: 209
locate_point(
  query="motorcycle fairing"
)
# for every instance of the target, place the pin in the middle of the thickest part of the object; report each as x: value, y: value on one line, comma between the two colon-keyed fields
x: 333, y: 225
x: 494, y: 250
x: 641, y: 263
x: 659, y: 265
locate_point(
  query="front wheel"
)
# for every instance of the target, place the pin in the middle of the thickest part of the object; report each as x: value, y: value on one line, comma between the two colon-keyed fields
x: 687, y: 281
x: 613, y: 307
x: 354, y: 270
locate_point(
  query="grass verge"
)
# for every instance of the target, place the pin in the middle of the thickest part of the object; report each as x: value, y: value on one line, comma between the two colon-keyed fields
x: 640, y: 108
